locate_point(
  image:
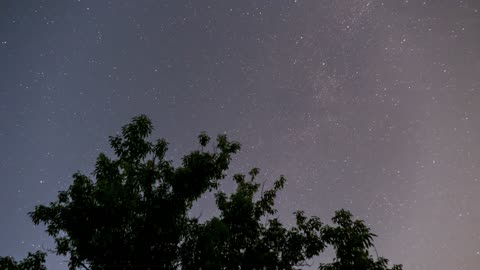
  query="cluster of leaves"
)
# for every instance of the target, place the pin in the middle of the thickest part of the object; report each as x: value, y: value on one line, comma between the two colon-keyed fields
x: 34, y: 261
x: 238, y: 239
x: 135, y: 215
x: 352, y: 241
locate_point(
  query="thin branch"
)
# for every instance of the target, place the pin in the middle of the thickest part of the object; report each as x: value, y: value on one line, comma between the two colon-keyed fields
x: 84, y: 266
x: 374, y: 248
x: 47, y: 249
x: 263, y: 186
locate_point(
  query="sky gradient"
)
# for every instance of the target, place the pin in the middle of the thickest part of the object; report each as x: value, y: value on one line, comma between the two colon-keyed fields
x: 368, y: 105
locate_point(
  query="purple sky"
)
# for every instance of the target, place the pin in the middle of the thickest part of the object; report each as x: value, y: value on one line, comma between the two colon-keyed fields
x: 368, y: 105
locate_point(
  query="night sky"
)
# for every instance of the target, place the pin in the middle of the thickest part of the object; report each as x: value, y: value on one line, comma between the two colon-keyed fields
x: 368, y: 105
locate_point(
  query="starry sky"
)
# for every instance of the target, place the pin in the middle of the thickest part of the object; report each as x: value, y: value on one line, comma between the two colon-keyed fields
x: 368, y: 105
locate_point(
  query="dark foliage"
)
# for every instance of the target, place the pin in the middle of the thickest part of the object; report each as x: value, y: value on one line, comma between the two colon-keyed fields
x: 135, y: 215
x: 34, y: 261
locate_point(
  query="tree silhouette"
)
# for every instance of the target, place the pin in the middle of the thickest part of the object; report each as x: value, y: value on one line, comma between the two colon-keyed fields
x: 34, y: 261
x: 135, y: 215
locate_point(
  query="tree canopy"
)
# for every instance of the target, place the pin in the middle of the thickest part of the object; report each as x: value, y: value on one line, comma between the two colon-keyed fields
x: 134, y: 214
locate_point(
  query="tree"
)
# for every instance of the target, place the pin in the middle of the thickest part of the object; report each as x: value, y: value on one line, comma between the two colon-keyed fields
x: 135, y: 215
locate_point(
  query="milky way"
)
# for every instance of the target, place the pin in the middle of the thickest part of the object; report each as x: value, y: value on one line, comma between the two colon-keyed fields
x: 367, y: 105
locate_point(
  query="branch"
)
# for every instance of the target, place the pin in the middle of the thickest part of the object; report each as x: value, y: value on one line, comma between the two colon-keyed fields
x: 84, y: 266
x: 376, y: 252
